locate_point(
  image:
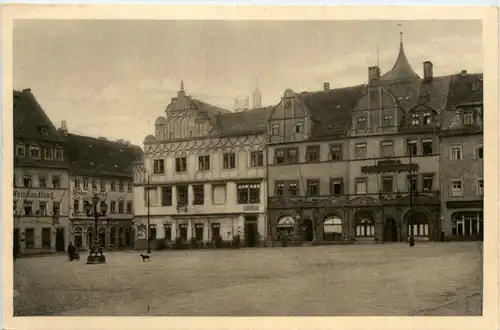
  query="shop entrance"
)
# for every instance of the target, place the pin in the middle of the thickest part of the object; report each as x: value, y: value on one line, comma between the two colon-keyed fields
x: 16, y: 245
x: 60, y: 244
x: 390, y: 230
x: 308, y: 230
x: 251, y: 231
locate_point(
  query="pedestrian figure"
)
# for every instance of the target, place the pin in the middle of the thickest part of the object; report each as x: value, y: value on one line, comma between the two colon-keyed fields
x: 71, y: 251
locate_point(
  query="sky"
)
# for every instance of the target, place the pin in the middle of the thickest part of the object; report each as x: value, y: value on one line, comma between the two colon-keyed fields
x: 113, y: 78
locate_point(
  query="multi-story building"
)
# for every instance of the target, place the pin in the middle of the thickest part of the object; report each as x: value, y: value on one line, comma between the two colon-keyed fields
x: 359, y: 163
x: 462, y: 159
x: 102, y: 167
x: 204, y: 175
x: 40, y: 180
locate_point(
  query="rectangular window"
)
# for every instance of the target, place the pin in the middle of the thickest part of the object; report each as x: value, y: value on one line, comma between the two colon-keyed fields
x: 56, y: 181
x: 428, y: 182
x: 180, y: 164
x: 204, y: 163
x: 42, y: 181
x: 312, y: 154
x: 229, y: 160
x: 27, y: 181
x: 387, y: 184
x: 103, y: 185
x: 48, y: 153
x: 59, y: 154
x: 427, y: 147
x: 360, y: 150
x: 129, y: 207
x: 77, y: 184
x: 275, y: 129
x: 456, y: 151
x: 313, y: 188
x: 152, y: 232
x: 336, y: 186
x: 183, y: 231
x: 415, y: 119
x: 28, y: 208
x: 456, y: 187
x: 427, y: 117
x: 293, y: 188
x: 257, y: 158
x: 198, y: 232
x: 152, y: 194
x: 279, y: 188
x: 182, y: 195
x: 85, y: 184
x: 387, y: 121
x: 113, y: 206
x: 412, y: 183
x: 56, y: 208
x: 168, y: 232
x: 335, y: 152
x: 113, y: 185
x: 166, y: 196
x: 361, y: 186
x: 299, y: 127
x: 480, y: 187
x: 387, y: 149
x: 479, y: 152
x: 468, y: 118
x: 35, y: 152
x: 248, y: 193
x: 29, y: 238
x: 120, y: 207
x: 199, y: 194
x: 291, y: 156
x: 94, y: 184
x: 411, y: 147
x: 120, y: 186
x: 158, y: 166
x: 42, y: 208
x: 20, y: 150
x: 76, y: 206
x: 361, y: 123
x: 129, y: 186
x: 279, y: 156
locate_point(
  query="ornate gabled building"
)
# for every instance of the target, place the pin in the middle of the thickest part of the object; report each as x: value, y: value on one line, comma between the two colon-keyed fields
x: 102, y: 167
x: 360, y: 163
x: 41, y: 182
x: 203, y: 174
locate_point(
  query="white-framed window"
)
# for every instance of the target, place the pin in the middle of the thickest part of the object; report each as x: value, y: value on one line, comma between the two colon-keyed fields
x: 387, y: 149
x: 204, y: 163
x: 361, y: 186
x: 256, y: 158
x: 360, y: 150
x: 415, y: 119
x: 361, y: 123
x: 48, y: 153
x: 427, y: 117
x: 365, y: 228
x: 456, y: 187
x: 456, y: 151
x: 332, y: 229
x: 275, y: 129
x: 480, y: 187
x: 59, y: 154
x: 467, y: 224
x: 35, y: 152
x: 411, y: 147
x: 427, y: 147
x: 299, y: 127
x: 158, y: 166
x: 468, y: 118
x: 20, y: 150
x: 228, y: 160
x: 85, y: 183
x: 419, y: 229
x: 387, y: 121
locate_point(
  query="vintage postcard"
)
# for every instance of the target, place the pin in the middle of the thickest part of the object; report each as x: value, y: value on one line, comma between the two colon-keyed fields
x: 321, y: 163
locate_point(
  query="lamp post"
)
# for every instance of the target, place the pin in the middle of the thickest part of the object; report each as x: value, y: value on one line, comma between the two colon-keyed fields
x: 147, y: 181
x: 410, y: 218
x: 96, y: 256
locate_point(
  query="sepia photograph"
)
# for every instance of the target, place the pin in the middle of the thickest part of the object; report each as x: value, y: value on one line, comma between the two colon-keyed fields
x: 246, y: 167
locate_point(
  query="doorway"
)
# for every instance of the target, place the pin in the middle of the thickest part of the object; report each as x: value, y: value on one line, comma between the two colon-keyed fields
x: 16, y: 244
x: 308, y: 230
x: 251, y: 231
x: 60, y: 244
x: 390, y: 230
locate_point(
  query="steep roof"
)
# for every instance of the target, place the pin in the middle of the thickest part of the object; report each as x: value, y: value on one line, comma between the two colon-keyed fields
x: 29, y: 118
x: 93, y: 156
x: 466, y: 88
x: 402, y: 69
x: 331, y: 110
x: 252, y: 121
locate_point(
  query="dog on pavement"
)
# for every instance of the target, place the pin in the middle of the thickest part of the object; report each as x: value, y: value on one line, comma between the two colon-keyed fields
x: 145, y: 257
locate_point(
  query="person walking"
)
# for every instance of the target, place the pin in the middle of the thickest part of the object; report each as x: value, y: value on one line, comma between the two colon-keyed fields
x: 71, y: 251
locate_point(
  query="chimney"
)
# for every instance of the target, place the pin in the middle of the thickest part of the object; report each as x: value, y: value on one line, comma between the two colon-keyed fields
x: 103, y: 138
x: 64, y: 128
x: 122, y: 141
x: 128, y: 143
x: 27, y: 90
x: 428, y: 71
x: 326, y: 86
x: 463, y: 72
x: 373, y: 74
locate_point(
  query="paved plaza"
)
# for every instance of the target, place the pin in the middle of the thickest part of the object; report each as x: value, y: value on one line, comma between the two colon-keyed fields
x: 354, y: 280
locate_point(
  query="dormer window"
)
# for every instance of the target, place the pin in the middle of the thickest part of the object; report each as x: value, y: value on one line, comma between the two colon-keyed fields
x: 427, y: 117
x: 415, y: 119
x: 43, y: 130
x: 275, y: 129
x: 468, y: 118
x: 361, y: 123
x: 387, y: 121
x: 35, y: 152
x: 299, y: 127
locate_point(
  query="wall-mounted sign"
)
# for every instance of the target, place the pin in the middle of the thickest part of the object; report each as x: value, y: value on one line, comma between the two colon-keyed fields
x: 34, y: 222
x: 252, y: 208
x: 81, y: 194
x: 38, y: 194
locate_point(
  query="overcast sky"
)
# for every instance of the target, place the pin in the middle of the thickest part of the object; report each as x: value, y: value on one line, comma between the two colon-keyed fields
x: 113, y: 78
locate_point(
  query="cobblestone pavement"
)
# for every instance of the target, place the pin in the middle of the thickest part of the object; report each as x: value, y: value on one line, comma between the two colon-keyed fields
x: 356, y: 280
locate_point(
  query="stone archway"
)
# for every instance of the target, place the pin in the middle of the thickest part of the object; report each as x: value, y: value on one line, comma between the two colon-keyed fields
x: 418, y: 223
x: 332, y: 228
x: 286, y: 224
x: 364, y: 221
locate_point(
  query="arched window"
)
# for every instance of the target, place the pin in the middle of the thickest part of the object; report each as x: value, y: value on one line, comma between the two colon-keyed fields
x: 467, y: 224
x: 365, y: 228
x: 286, y: 224
x: 332, y: 229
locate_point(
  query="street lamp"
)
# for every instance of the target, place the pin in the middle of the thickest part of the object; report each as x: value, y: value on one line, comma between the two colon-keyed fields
x: 410, y: 188
x: 146, y: 174
x: 91, y: 209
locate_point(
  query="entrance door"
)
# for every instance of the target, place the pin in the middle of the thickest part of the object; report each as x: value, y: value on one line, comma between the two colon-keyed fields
x: 60, y: 244
x: 251, y: 231
x: 390, y: 230
x: 308, y: 233
x: 17, y: 246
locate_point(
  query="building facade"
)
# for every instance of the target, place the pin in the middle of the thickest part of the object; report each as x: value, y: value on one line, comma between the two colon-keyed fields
x: 360, y: 164
x: 102, y: 167
x: 462, y: 159
x: 203, y: 174
x: 41, y: 181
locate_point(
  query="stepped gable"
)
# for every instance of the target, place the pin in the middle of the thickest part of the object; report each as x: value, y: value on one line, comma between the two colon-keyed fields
x: 93, y: 156
x: 249, y: 122
x: 29, y: 118
x: 331, y: 110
